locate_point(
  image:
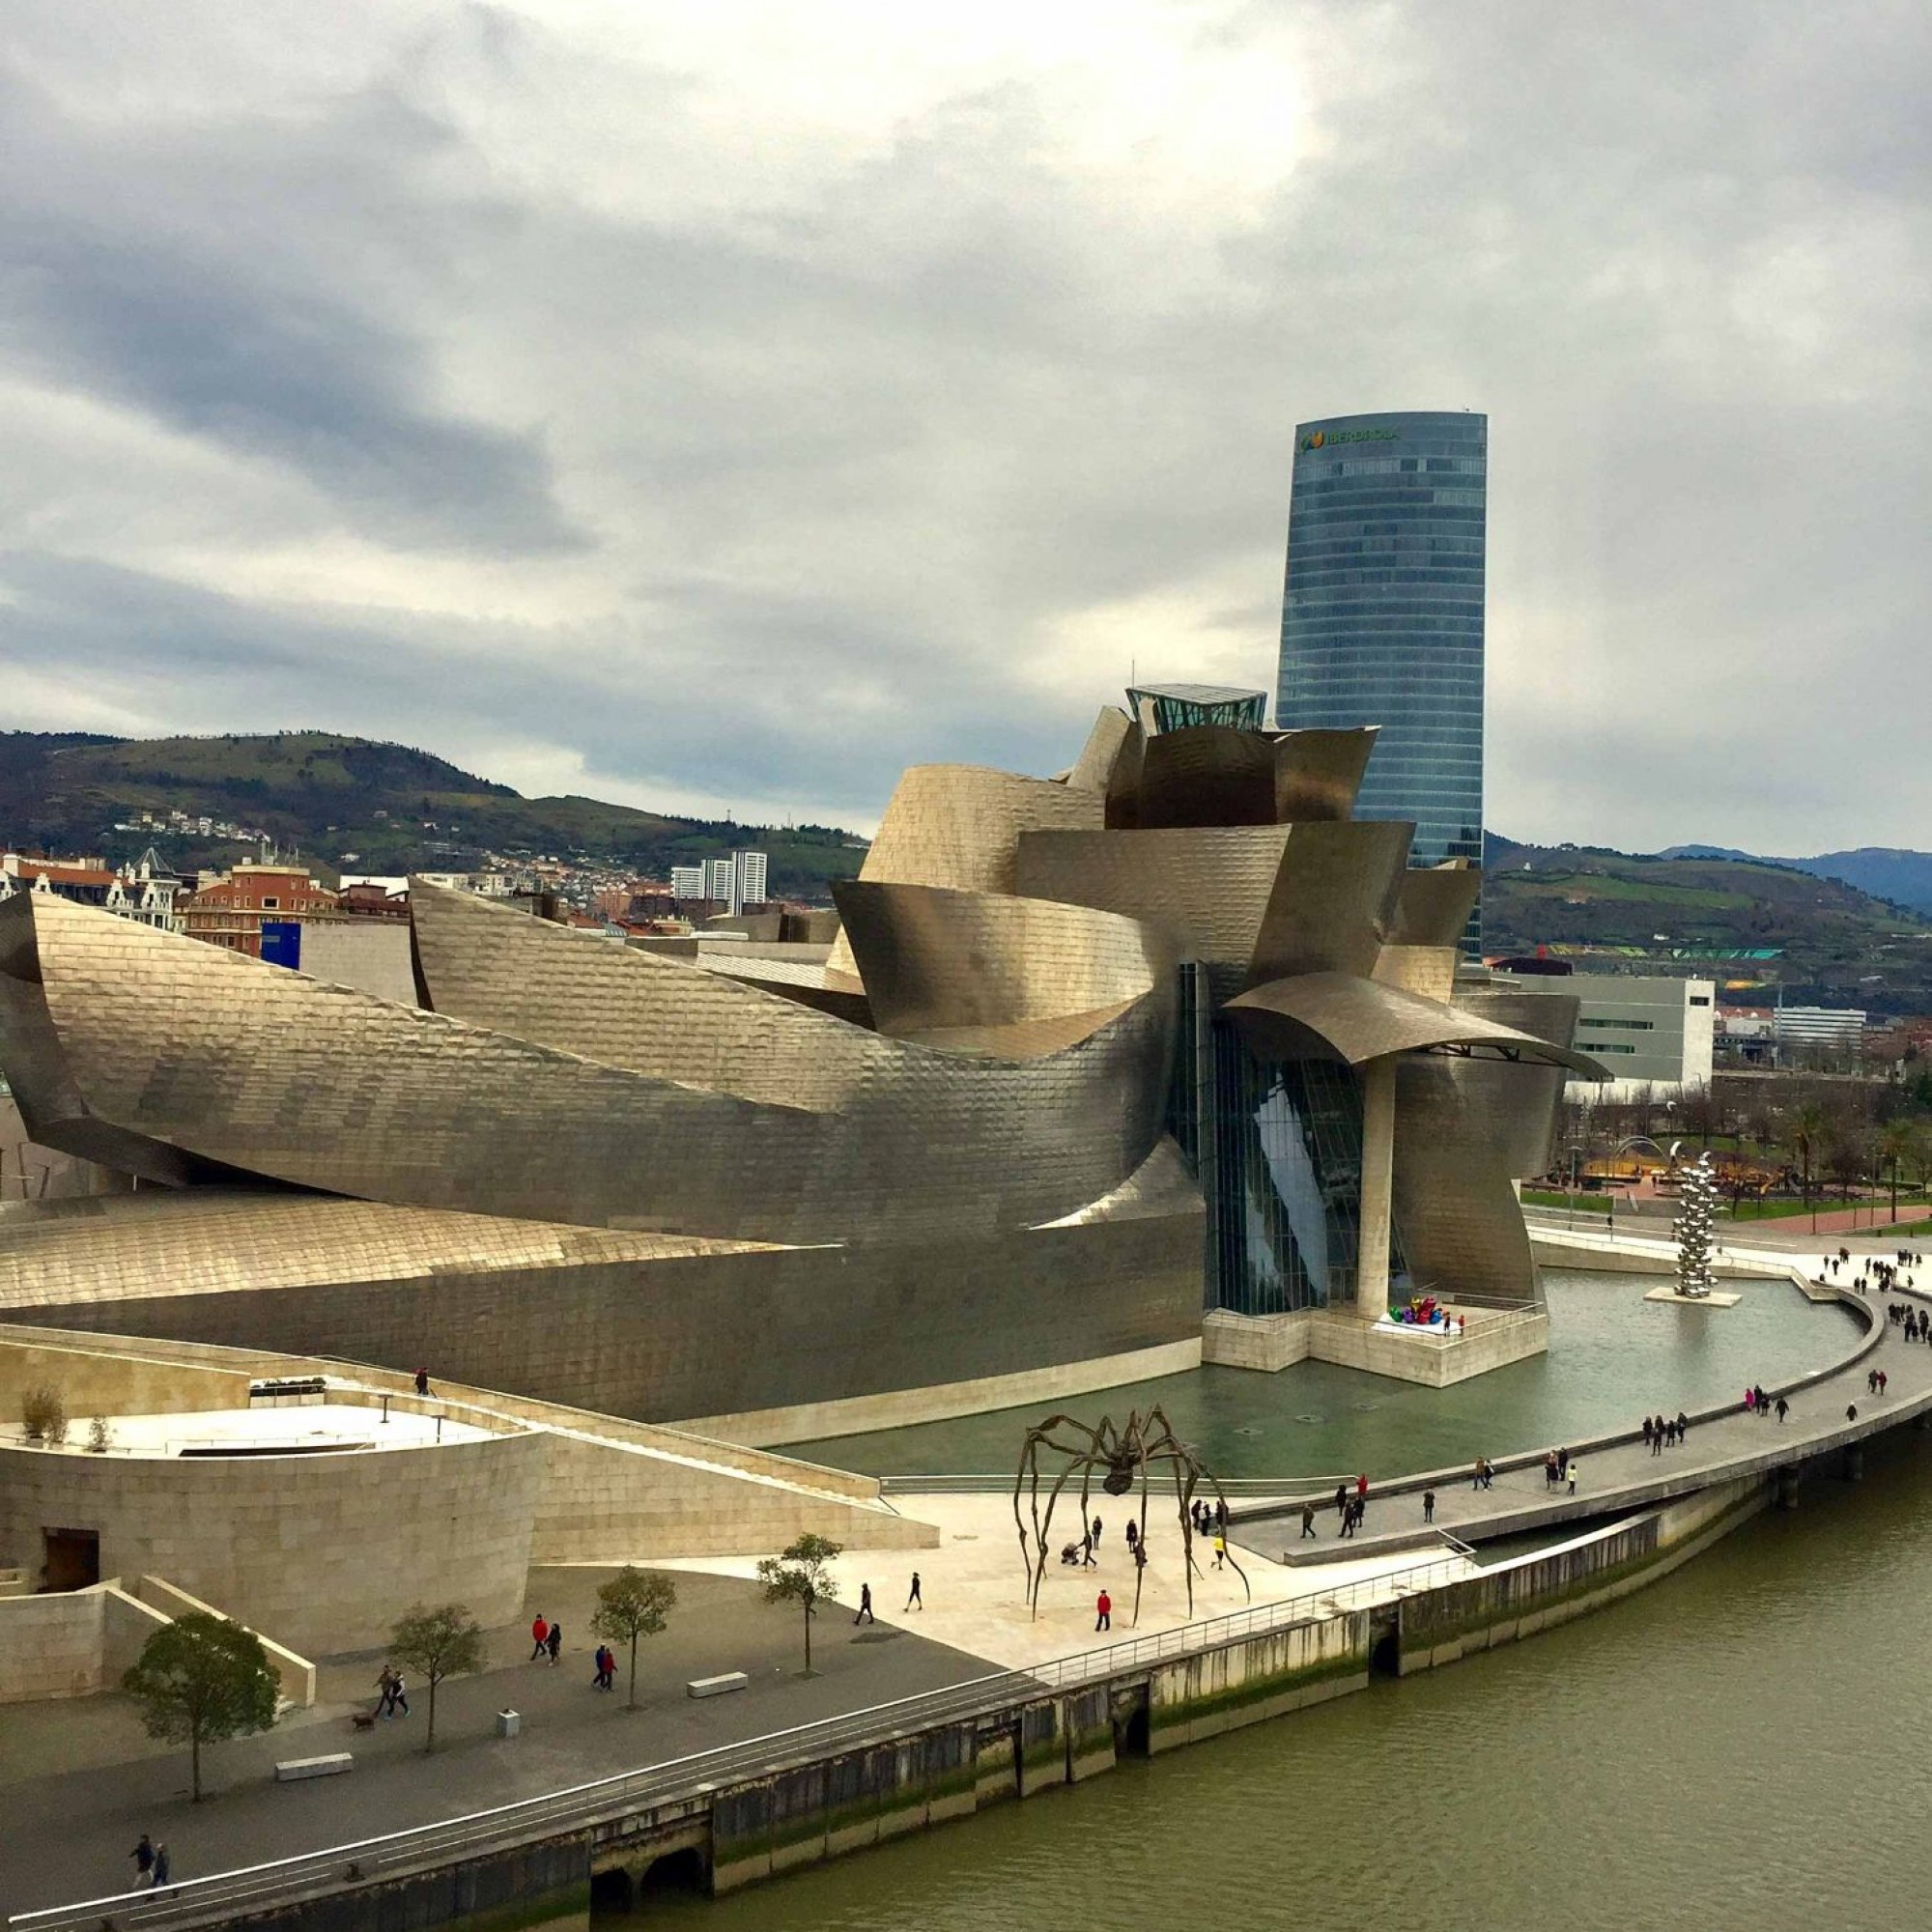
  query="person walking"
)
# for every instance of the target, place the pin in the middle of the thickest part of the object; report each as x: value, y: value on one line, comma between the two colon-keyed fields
x: 1850, y: 1411
x: 1308, y: 1521
x: 160, y: 1866
x: 423, y: 1381
x: 1220, y: 1548
x: 1880, y: 1382
x: 539, y: 1636
x: 399, y: 1694
x: 554, y: 1643
x: 914, y: 1598
x: 1562, y: 1464
x: 143, y: 1856
x: 1784, y: 1408
x: 1488, y: 1474
x: 1571, y: 1472
x: 1656, y: 1439
x: 1341, y: 1500
x: 1646, y: 1432
x: 1103, y: 1607
x: 385, y: 1683
x: 1683, y: 1425
x: 1429, y: 1505
x: 864, y: 1615
x: 1096, y: 1532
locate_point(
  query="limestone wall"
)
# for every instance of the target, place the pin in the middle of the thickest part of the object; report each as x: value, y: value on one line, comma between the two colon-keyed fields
x: 727, y: 1335
x: 112, y: 1381
x: 601, y: 1504
x: 321, y: 1552
x: 71, y: 1644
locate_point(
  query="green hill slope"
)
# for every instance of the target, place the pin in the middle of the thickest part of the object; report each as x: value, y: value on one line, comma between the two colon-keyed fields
x: 395, y: 807
x: 1833, y: 942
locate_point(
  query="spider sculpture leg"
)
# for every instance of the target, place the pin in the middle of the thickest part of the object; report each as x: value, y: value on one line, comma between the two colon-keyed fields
x: 1080, y: 1454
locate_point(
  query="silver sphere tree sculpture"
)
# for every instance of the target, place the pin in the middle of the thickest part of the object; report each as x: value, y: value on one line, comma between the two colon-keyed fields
x: 1697, y: 1212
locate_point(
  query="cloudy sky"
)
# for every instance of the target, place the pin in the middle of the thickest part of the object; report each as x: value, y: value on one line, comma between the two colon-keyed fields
x: 717, y: 407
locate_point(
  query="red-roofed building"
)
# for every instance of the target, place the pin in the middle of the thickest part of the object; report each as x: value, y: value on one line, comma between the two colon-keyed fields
x: 231, y: 912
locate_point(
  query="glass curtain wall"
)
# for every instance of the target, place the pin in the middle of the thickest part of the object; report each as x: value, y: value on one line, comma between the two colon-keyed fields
x: 1278, y: 1149
x: 1382, y: 613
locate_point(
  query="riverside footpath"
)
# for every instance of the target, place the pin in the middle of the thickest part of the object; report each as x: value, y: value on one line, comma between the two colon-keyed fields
x: 1619, y: 1471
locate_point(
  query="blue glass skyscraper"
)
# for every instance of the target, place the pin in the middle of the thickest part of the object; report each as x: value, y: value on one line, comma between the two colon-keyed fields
x: 1381, y: 620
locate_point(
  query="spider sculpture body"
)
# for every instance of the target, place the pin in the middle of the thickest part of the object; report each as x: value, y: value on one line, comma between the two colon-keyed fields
x: 1120, y: 1457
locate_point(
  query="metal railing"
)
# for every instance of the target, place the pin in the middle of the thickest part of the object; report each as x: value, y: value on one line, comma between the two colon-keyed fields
x: 993, y: 1483
x: 605, y: 1800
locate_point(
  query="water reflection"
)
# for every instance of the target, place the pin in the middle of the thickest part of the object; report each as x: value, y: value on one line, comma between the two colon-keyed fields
x: 1613, y: 1357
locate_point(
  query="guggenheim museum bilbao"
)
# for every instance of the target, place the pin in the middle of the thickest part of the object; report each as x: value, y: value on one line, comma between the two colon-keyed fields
x: 1166, y: 1052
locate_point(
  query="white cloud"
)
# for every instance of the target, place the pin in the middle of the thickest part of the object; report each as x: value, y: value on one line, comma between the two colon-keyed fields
x: 724, y: 405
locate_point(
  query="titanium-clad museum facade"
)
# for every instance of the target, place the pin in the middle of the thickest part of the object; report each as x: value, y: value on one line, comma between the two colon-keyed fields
x: 1382, y: 610
x: 1092, y: 1054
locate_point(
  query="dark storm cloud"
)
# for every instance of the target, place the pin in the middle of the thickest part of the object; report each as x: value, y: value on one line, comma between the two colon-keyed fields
x: 906, y: 438
x: 135, y: 271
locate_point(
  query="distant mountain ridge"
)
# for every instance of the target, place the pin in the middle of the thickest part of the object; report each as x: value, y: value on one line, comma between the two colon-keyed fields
x: 394, y: 807
x: 1886, y: 871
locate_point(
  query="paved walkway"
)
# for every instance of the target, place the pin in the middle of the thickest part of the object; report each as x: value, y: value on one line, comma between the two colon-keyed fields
x: 73, y: 1811
x: 1619, y: 1472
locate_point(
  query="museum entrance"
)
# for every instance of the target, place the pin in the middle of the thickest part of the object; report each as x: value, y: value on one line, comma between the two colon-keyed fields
x: 73, y: 1559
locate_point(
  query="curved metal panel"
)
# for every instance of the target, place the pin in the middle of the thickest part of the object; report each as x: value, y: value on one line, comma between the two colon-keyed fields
x: 1426, y: 971
x: 275, y: 1075
x: 959, y: 826
x: 1207, y: 888
x: 1318, y: 773
x: 1333, y: 899
x: 1515, y: 1109
x: 934, y: 959
x: 1359, y: 1020
x: 1461, y: 1225
x: 495, y: 966
x: 1434, y: 904
x: 1093, y: 769
x: 1207, y: 774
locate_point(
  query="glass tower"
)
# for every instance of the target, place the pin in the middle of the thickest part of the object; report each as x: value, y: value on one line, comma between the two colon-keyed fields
x: 1381, y: 620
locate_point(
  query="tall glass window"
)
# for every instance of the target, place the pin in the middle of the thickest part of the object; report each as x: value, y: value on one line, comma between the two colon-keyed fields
x: 1382, y: 613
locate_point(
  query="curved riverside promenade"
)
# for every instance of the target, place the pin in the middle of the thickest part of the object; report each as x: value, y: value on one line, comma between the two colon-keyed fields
x: 1619, y: 1471
x: 769, y: 1803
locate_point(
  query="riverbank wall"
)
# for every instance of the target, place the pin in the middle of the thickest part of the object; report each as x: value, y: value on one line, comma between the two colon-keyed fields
x: 1517, y: 1599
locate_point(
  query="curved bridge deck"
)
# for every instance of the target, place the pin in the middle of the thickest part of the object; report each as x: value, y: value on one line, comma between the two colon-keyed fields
x: 1619, y: 1472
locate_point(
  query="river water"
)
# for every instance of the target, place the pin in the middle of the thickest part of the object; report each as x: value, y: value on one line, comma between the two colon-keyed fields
x: 1614, y: 1358
x: 1743, y: 1743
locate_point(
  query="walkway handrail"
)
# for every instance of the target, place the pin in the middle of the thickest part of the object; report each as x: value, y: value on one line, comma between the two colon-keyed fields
x: 601, y: 1799
x: 990, y: 1482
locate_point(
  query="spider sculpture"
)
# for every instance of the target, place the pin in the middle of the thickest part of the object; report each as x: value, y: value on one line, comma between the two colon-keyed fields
x: 1118, y: 1457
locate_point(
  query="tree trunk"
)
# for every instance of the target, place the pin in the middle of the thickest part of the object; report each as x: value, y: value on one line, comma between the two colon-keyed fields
x: 195, y: 1764
x: 634, y: 1671
x: 808, y: 1636
x: 429, y: 1740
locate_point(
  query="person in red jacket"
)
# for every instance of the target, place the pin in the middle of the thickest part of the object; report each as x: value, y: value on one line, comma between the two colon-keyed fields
x: 539, y: 1637
x: 1104, y: 1621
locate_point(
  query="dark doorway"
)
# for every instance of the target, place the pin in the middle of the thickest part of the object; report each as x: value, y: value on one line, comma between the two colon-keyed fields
x: 73, y: 1559
x: 1130, y: 1722
x: 1385, y: 1640
x: 676, y: 1872
x: 610, y: 1892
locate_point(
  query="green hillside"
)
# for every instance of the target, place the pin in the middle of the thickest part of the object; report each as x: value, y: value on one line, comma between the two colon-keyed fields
x: 395, y: 807
x: 1832, y: 941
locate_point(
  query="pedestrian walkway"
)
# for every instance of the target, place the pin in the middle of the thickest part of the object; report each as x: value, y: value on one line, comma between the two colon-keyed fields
x: 69, y: 1826
x: 1621, y: 1471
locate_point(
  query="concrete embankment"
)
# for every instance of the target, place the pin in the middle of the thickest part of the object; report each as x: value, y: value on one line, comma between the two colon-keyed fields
x: 834, y: 1789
